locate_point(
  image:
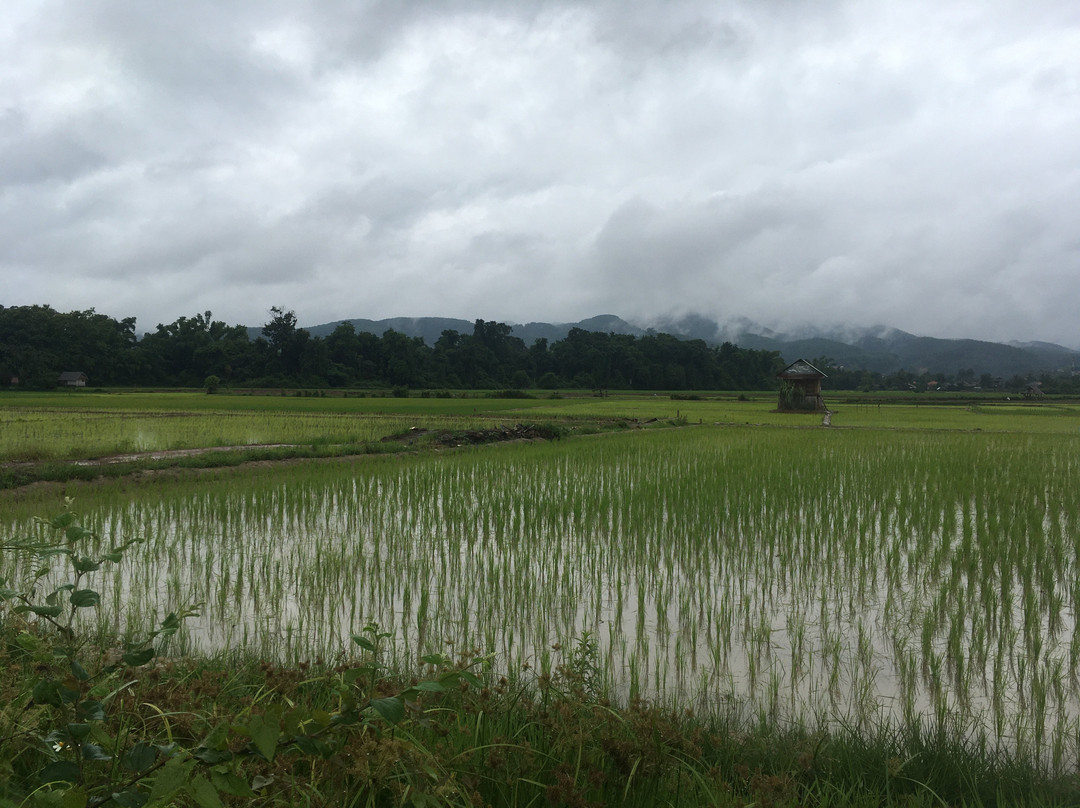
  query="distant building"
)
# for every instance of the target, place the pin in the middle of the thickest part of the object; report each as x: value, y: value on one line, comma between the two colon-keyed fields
x: 1034, y: 391
x: 800, y: 388
x: 73, y: 378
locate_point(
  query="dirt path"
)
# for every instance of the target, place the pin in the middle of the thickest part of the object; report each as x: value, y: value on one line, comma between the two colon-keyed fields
x: 165, y: 454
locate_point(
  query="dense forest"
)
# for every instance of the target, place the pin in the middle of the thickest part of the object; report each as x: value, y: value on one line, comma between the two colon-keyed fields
x: 37, y: 343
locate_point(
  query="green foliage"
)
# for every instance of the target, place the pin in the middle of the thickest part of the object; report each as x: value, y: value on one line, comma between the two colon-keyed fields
x: 62, y: 741
x: 39, y: 343
x: 212, y: 384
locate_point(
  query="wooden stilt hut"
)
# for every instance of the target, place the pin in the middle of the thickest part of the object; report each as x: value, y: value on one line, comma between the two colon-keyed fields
x: 800, y: 388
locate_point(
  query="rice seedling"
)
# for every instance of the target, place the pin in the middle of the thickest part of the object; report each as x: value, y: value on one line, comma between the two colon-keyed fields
x: 859, y: 577
x: 107, y: 426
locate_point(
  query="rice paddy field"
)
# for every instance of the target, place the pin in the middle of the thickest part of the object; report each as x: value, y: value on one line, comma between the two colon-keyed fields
x: 904, y: 565
x: 51, y: 426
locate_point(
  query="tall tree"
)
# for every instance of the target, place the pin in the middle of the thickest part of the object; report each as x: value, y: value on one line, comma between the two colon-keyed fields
x: 287, y: 342
x: 189, y: 349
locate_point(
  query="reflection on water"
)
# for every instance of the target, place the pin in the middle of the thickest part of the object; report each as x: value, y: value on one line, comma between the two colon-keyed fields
x: 890, y: 577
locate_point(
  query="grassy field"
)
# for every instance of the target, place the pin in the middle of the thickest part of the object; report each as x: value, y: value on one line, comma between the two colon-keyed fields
x: 903, y: 581
x: 86, y: 425
x: 293, y: 401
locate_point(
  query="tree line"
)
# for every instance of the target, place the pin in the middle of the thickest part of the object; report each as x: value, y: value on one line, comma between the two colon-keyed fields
x: 37, y: 343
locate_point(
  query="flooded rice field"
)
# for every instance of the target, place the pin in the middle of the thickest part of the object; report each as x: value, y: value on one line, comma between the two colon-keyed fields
x: 854, y: 577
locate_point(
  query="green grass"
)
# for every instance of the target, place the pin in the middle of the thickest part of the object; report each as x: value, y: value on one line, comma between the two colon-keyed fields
x: 1058, y: 418
x: 462, y: 404
x: 28, y: 434
x: 989, y: 413
x: 524, y: 740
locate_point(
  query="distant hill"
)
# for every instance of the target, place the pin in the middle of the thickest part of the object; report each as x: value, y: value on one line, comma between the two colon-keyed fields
x: 884, y: 349
x: 880, y: 348
x: 431, y: 328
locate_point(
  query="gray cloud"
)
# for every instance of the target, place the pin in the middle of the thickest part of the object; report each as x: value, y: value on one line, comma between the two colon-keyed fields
x: 912, y: 164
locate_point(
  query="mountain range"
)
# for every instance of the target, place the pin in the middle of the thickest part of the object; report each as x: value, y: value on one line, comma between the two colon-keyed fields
x: 879, y: 348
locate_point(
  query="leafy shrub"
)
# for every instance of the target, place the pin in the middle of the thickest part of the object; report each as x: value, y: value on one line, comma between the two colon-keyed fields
x: 508, y: 394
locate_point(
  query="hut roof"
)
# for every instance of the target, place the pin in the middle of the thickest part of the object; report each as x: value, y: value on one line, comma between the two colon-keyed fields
x: 800, y: 369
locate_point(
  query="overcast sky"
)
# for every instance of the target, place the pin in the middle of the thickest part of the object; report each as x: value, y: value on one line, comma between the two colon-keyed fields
x: 910, y: 163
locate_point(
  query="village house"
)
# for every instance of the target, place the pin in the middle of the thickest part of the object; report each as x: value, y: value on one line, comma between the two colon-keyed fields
x: 73, y: 378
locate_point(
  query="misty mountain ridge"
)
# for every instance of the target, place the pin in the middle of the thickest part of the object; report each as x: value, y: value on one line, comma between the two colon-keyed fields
x: 880, y: 348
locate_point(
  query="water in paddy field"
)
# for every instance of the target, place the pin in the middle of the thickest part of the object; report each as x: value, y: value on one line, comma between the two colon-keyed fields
x: 835, y: 577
